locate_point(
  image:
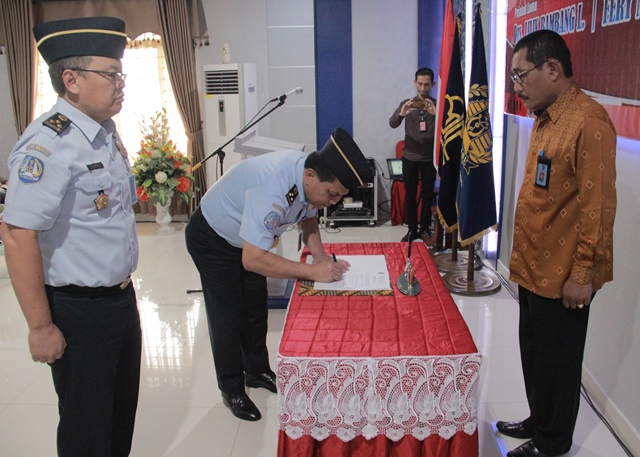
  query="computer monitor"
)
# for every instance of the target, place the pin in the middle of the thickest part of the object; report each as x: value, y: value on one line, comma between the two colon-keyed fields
x: 395, y: 168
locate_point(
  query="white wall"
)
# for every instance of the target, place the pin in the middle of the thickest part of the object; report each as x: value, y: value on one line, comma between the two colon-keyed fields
x: 385, y: 48
x: 276, y: 35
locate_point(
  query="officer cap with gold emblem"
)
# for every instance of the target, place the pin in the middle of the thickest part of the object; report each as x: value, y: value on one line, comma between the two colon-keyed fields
x: 345, y: 159
x: 87, y: 36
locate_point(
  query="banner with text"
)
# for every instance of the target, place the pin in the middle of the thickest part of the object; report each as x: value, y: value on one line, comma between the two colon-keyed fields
x: 603, y: 37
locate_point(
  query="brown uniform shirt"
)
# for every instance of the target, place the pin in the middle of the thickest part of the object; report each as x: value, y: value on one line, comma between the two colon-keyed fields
x: 567, y: 230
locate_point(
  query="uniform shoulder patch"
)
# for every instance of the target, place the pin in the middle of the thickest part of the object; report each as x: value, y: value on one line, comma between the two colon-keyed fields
x: 58, y: 122
x: 292, y: 194
x: 31, y: 170
x: 272, y: 220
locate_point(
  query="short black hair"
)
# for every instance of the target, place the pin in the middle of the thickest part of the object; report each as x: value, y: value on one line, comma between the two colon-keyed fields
x: 546, y: 44
x: 425, y: 72
x: 317, y: 163
x: 56, y: 68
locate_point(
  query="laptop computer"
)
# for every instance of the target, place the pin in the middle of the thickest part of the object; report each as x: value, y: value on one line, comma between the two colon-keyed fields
x: 395, y: 168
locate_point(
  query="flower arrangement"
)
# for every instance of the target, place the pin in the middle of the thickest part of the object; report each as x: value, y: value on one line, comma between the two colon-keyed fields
x: 160, y: 169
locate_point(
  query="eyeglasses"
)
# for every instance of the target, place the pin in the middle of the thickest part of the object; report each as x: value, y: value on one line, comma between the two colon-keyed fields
x: 115, y: 77
x: 519, y: 77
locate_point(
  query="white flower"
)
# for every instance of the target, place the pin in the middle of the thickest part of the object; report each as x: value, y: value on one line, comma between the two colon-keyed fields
x: 320, y: 433
x: 155, y: 153
x: 161, y: 177
x: 346, y: 434
x: 370, y: 431
x: 294, y: 432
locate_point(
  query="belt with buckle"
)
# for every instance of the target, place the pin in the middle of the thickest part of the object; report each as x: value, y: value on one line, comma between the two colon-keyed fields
x: 72, y: 289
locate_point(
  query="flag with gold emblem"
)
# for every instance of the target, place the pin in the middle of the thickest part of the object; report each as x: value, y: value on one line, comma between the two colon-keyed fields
x: 450, y: 121
x: 476, y: 199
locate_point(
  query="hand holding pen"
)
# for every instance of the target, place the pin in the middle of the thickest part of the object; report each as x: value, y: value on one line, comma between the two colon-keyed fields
x: 340, y: 267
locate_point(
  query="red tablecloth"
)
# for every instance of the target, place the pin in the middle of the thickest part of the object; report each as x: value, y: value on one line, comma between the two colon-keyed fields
x: 378, y: 375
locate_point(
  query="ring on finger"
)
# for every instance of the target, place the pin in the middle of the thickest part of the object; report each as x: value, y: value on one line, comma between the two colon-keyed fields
x: 581, y: 305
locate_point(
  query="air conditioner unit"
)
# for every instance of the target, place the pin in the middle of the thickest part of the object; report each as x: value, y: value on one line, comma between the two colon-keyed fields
x: 230, y: 101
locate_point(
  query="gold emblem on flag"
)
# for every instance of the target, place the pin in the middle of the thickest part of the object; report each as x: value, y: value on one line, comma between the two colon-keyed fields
x: 477, y: 138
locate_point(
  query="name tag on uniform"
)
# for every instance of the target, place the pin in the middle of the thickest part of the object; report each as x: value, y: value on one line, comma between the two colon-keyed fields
x: 543, y: 170
x: 132, y: 189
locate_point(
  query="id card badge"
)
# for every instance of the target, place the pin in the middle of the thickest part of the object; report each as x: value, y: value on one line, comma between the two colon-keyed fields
x: 132, y: 189
x: 423, y: 126
x: 543, y: 170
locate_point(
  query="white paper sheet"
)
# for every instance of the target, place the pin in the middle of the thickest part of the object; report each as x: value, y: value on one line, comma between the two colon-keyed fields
x: 367, y: 272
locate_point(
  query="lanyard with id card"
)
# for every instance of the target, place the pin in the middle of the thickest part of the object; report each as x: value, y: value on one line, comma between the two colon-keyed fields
x: 543, y: 170
x: 423, y: 123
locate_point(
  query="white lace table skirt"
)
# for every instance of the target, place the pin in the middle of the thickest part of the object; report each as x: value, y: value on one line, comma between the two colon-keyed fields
x: 417, y: 396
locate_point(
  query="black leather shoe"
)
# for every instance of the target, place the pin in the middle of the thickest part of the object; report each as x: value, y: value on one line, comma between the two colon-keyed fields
x: 514, y: 429
x: 529, y: 450
x: 264, y: 380
x: 241, y: 406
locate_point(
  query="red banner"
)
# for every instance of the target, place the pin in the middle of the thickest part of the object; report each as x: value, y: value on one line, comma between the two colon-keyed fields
x: 604, y: 39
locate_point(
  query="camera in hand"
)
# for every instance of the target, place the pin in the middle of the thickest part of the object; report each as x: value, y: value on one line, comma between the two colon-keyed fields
x: 419, y: 104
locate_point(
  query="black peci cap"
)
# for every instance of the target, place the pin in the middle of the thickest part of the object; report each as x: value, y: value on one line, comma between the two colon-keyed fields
x: 345, y: 159
x: 87, y: 36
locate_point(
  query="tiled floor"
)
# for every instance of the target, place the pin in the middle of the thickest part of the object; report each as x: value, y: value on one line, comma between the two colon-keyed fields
x: 180, y: 413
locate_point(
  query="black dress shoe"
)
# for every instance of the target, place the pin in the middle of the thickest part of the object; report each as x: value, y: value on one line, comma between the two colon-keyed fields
x: 515, y: 429
x: 264, y: 380
x: 529, y: 450
x: 241, y: 406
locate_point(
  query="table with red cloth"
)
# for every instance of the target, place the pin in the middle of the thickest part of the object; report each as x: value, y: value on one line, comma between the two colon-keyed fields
x: 378, y: 375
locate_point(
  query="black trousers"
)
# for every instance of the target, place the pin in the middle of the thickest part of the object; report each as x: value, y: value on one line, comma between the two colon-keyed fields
x: 412, y: 173
x: 552, y: 340
x: 236, y: 303
x: 98, y: 377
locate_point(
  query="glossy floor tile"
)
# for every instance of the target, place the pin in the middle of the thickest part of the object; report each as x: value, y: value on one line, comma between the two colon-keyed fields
x: 180, y: 411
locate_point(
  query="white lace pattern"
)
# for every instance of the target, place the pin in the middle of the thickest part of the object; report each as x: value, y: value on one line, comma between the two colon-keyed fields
x: 398, y: 396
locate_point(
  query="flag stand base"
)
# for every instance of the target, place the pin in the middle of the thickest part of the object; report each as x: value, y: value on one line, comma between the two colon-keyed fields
x: 445, y: 262
x: 483, y: 282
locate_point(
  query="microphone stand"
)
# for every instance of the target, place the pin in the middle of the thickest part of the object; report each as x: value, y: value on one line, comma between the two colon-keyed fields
x: 221, y: 154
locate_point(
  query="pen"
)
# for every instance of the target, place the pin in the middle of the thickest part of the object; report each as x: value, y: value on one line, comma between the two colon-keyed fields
x: 334, y: 257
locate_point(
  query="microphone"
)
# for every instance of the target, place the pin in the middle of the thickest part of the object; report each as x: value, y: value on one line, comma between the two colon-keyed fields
x: 283, y: 97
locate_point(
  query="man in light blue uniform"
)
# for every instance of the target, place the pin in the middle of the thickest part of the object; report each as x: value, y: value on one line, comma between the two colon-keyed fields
x: 230, y: 235
x: 70, y: 239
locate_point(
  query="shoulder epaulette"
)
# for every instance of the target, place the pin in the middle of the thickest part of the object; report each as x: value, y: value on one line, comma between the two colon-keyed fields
x: 58, y: 122
x: 292, y: 194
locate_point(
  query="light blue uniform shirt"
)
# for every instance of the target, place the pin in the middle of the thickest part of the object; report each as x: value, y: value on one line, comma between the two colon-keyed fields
x: 52, y: 190
x: 249, y: 202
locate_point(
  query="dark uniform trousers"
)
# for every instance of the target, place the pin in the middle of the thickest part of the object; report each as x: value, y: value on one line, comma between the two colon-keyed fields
x: 412, y: 173
x: 236, y: 303
x: 552, y: 340
x: 98, y: 377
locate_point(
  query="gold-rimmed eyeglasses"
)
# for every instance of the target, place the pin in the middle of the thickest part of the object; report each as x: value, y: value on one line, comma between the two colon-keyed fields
x: 519, y: 77
x: 115, y: 77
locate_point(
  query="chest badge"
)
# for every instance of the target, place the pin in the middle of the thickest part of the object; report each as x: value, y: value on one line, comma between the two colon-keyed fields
x: 122, y: 149
x: 101, y: 201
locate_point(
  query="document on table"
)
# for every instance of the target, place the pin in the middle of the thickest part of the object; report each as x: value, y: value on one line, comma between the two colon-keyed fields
x: 367, y: 272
